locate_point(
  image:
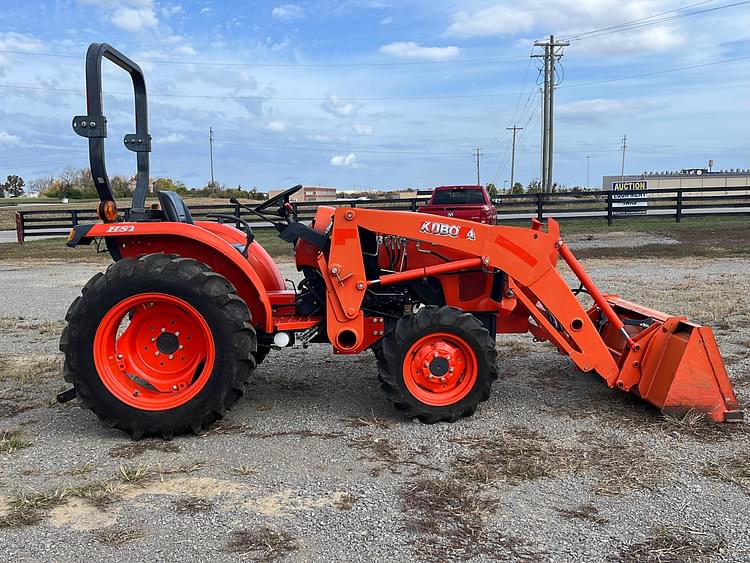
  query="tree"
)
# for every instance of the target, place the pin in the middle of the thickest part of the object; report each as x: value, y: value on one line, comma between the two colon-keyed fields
x: 534, y: 187
x: 492, y: 190
x: 169, y: 185
x: 13, y: 186
x: 517, y: 188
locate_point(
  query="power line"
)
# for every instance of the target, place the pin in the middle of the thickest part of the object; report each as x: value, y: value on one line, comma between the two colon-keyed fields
x: 637, y: 24
x: 282, y: 65
x: 478, y: 156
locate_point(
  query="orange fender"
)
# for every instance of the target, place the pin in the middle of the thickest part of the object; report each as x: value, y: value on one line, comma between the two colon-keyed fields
x: 190, y: 241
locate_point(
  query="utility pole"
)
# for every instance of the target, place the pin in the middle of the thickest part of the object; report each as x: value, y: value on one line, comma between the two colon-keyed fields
x: 211, y: 153
x: 552, y: 54
x: 478, y: 156
x: 624, y: 146
x: 513, y: 155
x: 588, y: 171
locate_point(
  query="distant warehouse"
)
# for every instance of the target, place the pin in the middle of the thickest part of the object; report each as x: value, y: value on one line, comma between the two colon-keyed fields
x: 309, y: 193
x: 686, y: 178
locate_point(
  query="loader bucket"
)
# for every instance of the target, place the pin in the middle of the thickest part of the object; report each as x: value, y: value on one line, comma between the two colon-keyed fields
x: 671, y: 363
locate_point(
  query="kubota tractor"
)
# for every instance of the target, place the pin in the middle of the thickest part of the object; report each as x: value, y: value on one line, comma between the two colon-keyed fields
x: 166, y: 339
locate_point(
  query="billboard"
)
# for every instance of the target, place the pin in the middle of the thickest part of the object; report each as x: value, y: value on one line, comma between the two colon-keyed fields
x: 630, y: 197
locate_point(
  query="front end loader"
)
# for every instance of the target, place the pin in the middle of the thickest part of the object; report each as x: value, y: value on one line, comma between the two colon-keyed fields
x: 165, y: 341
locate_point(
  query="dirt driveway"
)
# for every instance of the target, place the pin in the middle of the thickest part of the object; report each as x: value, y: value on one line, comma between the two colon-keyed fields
x: 314, y: 465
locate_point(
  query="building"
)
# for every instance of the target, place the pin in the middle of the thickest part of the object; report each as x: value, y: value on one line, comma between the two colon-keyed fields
x: 686, y: 178
x: 309, y: 193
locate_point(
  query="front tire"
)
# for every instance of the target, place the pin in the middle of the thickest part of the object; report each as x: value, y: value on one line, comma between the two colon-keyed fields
x: 438, y: 364
x: 158, y: 345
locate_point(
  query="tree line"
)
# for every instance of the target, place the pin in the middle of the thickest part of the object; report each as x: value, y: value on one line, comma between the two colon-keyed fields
x: 77, y: 183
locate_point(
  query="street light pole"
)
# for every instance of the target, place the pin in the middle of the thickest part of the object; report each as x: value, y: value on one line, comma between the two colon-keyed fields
x: 588, y: 171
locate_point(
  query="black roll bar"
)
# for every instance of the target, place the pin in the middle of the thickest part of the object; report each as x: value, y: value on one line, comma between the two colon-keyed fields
x: 94, y: 125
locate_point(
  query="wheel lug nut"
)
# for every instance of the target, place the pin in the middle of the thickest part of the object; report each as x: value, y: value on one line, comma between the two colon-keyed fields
x: 156, y: 353
x: 163, y: 329
x: 171, y: 357
x: 135, y: 393
x: 180, y: 347
x: 119, y: 356
x: 451, y: 369
x: 177, y: 333
x: 153, y: 340
x: 174, y: 387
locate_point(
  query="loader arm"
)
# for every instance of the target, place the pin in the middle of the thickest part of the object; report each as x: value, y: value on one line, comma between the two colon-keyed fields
x: 664, y: 359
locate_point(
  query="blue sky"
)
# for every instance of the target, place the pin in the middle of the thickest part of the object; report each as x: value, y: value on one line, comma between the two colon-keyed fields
x: 378, y: 94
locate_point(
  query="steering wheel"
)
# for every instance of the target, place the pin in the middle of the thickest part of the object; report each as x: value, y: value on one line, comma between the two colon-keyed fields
x: 283, y: 197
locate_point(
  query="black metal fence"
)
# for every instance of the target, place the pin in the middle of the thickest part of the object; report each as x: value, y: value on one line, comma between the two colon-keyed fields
x: 668, y: 203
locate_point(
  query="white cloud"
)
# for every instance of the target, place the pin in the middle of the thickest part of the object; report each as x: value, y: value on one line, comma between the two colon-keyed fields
x: 171, y: 139
x: 205, y: 10
x: 171, y: 10
x: 8, y: 139
x: 338, y: 107
x: 361, y: 129
x: 601, y: 110
x: 495, y: 20
x: 278, y: 126
x: 344, y: 160
x: 287, y: 12
x: 134, y: 19
x: 386, y: 20
x: 412, y: 50
x: 185, y: 50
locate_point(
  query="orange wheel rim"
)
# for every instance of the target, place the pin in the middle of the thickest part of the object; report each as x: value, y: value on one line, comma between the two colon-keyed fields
x: 154, y: 351
x: 440, y: 369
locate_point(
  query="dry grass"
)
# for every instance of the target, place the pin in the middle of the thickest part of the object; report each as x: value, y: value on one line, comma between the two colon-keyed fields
x: 674, y: 544
x: 373, y: 422
x: 11, y: 441
x: 520, y: 454
x: 448, y: 517
x: 386, y: 455
x: 585, y: 512
x: 192, y: 505
x: 346, y: 502
x: 29, y: 509
x: 134, y: 449
x: 733, y: 469
x: 31, y: 369
x: 117, y: 536
x: 262, y: 544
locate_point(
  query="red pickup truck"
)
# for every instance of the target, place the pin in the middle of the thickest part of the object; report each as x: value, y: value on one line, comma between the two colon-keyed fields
x: 472, y: 203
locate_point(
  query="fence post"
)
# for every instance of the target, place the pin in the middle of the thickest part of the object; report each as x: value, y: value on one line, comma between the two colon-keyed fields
x: 126, y: 214
x: 610, y: 214
x: 19, y: 227
x: 678, y: 215
x: 237, y: 214
x: 414, y: 205
x: 539, y: 206
x: 74, y: 216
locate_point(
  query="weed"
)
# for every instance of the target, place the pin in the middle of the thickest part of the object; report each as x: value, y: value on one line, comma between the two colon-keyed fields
x: 262, y: 544
x: 12, y: 441
x: 25, y: 370
x: 27, y: 510
x: 385, y: 454
x: 244, y: 470
x: 734, y: 469
x: 674, y: 544
x: 98, y: 493
x: 118, y: 535
x: 135, y: 475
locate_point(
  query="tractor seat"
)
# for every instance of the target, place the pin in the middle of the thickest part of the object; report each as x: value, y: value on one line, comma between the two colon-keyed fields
x: 174, y: 207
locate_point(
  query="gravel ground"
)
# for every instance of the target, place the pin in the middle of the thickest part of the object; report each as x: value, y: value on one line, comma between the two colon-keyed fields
x: 314, y: 465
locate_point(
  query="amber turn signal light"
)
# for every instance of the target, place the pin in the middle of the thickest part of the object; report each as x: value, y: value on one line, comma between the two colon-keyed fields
x: 107, y: 211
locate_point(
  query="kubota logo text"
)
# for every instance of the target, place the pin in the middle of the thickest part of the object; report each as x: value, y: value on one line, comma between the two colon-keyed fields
x: 440, y: 229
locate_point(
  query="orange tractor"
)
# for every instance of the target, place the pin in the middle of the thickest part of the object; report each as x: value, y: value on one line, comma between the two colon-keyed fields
x: 165, y: 341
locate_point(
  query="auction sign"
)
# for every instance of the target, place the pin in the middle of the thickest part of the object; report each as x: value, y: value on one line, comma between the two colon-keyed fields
x: 630, y: 197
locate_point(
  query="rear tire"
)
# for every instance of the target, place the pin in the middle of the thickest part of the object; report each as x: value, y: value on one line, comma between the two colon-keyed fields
x: 438, y: 364
x: 118, y: 375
